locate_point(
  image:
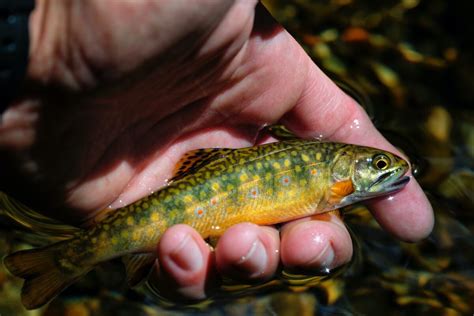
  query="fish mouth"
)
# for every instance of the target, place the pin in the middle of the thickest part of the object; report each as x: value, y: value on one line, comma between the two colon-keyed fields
x: 388, y: 182
x: 399, y: 184
x: 388, y: 186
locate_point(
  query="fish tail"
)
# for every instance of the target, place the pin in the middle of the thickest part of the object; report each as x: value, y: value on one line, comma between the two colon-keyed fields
x: 44, y: 277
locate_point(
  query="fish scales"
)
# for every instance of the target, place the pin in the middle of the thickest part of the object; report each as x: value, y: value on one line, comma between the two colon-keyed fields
x: 265, y: 184
x: 240, y: 196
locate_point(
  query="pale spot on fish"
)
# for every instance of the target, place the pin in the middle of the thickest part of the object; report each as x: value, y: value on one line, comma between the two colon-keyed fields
x: 136, y: 236
x: 150, y: 231
x: 155, y: 217
x: 253, y: 192
x: 243, y: 177
x: 285, y: 180
x: 276, y: 165
x: 305, y: 157
x: 287, y: 163
x: 199, y: 211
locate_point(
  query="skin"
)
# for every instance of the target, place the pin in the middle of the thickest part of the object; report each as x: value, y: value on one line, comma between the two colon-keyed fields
x: 117, y: 91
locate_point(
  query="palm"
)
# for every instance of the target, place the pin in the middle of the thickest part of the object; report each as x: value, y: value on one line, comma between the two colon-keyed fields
x: 106, y: 122
x: 118, y: 145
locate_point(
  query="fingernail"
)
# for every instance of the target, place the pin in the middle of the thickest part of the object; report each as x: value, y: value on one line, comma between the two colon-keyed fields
x: 325, y: 258
x: 255, y: 260
x: 187, y: 256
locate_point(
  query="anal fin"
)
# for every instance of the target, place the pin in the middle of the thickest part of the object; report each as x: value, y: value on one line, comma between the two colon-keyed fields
x: 138, y: 266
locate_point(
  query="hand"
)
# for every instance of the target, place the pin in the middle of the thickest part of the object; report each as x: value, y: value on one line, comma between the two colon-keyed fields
x: 117, y: 91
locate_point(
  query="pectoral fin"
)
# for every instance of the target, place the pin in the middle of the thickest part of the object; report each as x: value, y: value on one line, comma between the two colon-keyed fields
x: 339, y: 190
x: 280, y: 132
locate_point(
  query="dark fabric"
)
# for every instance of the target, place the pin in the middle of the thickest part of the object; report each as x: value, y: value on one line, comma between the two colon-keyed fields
x: 14, y: 47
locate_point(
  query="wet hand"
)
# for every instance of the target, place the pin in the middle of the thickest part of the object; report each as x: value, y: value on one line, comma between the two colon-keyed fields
x: 112, y: 104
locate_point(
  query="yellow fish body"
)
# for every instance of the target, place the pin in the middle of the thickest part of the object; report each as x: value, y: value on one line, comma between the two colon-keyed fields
x: 212, y: 190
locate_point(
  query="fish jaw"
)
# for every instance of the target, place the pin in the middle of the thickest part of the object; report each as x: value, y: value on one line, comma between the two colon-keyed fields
x: 370, y: 181
x: 392, y: 187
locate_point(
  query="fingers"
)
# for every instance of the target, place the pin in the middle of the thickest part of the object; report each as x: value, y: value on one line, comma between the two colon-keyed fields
x: 323, y: 110
x: 185, y: 264
x: 320, y: 243
x: 248, y: 252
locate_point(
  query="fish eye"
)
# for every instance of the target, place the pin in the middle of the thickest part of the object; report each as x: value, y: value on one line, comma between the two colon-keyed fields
x: 381, y: 162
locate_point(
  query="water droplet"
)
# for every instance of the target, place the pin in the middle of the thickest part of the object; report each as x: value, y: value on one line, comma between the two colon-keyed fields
x: 326, y: 270
x: 319, y: 137
x: 317, y: 238
x: 117, y: 204
x: 355, y: 124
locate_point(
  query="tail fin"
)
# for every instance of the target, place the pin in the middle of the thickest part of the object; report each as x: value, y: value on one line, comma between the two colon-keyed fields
x: 44, y: 279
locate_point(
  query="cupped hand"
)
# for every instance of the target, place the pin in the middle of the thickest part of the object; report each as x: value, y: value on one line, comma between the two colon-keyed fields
x: 117, y: 91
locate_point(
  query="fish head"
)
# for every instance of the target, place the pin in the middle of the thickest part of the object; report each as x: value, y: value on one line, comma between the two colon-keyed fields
x: 371, y: 173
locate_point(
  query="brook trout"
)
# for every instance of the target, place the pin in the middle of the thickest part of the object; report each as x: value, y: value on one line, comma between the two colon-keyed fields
x: 212, y: 190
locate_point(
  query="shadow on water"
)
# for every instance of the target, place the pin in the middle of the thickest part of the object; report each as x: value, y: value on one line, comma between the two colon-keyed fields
x: 411, y: 67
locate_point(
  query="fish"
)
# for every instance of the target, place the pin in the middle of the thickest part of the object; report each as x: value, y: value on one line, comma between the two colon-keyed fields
x: 211, y: 190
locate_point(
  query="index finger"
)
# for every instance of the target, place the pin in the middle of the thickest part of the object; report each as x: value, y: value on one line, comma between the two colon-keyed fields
x: 325, y: 111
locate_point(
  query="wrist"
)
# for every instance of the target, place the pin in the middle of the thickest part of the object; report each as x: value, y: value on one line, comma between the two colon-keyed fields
x: 47, y: 30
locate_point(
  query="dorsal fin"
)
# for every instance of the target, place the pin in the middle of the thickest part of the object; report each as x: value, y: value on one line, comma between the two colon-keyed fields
x: 196, y: 159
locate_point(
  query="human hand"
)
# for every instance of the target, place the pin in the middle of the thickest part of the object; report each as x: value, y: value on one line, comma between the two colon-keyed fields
x: 118, y: 91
